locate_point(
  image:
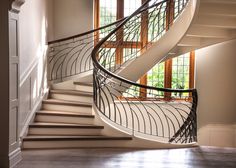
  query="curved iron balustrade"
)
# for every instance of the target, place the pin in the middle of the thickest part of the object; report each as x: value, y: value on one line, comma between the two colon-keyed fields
x: 166, y: 115
x: 71, y: 56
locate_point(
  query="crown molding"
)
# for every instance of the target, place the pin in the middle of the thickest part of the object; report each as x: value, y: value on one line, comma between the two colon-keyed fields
x: 16, y: 4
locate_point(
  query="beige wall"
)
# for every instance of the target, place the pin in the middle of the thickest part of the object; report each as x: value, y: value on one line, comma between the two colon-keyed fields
x: 40, y: 21
x: 72, y: 17
x: 33, y: 32
x: 33, y: 39
x: 215, y: 82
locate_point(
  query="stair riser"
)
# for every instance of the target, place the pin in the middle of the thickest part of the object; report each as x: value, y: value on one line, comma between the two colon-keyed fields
x: 75, y: 144
x: 64, y: 119
x: 84, y: 99
x: 79, y: 109
x: 84, y: 88
x: 64, y: 131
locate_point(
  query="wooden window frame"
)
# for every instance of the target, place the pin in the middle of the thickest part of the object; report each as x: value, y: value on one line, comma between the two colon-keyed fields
x: 119, y: 35
x: 143, y: 42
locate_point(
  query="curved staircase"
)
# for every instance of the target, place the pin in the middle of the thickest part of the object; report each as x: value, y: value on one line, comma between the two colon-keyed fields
x: 79, y: 114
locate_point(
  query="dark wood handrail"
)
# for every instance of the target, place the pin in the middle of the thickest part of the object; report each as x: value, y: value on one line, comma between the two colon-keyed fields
x: 100, y: 43
x: 85, y: 33
x: 94, y: 30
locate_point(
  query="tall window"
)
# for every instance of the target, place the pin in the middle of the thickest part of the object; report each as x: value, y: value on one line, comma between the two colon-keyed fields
x: 108, y: 11
x: 177, y: 73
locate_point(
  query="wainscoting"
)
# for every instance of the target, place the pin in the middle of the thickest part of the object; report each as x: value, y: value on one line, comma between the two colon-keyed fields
x: 33, y: 88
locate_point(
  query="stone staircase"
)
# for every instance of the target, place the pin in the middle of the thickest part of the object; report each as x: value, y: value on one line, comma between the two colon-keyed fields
x: 66, y: 120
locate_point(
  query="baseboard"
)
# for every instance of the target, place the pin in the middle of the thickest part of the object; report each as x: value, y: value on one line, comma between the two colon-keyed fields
x: 220, y: 135
x: 15, y: 157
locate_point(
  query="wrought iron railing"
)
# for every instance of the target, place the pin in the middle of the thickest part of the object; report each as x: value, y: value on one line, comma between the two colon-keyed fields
x: 163, y: 114
x: 71, y: 56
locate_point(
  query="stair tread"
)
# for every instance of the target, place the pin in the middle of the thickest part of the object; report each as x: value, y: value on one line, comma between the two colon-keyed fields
x: 72, y: 92
x: 63, y: 125
x: 64, y: 113
x: 97, y: 137
x: 66, y: 102
x: 83, y: 83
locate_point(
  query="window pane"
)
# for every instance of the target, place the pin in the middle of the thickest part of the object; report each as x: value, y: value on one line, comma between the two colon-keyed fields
x: 107, y: 57
x: 130, y: 6
x: 134, y: 24
x: 130, y: 53
x: 180, y: 72
x: 157, y: 22
x: 108, y: 10
x: 156, y: 78
x: 132, y: 92
x: 178, y: 7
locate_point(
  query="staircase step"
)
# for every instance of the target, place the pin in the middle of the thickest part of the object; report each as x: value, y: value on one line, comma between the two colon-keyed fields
x: 40, y: 128
x: 72, y: 95
x: 52, y: 142
x: 85, y: 138
x: 72, y: 92
x: 81, y: 86
x: 64, y: 113
x: 64, y: 117
x: 65, y: 105
x: 60, y: 125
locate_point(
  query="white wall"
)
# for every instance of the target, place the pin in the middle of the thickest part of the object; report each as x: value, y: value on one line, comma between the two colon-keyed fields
x: 33, y: 29
x: 215, y: 82
x: 72, y: 17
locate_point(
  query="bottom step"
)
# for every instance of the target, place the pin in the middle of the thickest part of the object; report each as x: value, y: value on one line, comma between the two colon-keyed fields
x: 42, y: 142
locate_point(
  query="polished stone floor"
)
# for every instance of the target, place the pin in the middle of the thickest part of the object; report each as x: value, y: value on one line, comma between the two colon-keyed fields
x: 199, y: 157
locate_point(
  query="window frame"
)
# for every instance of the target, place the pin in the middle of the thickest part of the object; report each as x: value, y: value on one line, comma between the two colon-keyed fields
x: 143, y: 42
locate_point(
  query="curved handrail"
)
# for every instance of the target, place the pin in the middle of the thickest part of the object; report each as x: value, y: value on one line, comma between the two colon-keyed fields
x: 86, y: 33
x: 71, y: 56
x: 101, y: 42
x: 157, y: 116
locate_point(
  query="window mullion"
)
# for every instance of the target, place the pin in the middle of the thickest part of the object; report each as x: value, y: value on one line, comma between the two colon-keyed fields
x: 192, y: 69
x: 144, y: 41
x: 120, y: 33
x: 168, y: 63
x: 168, y: 77
x: 170, y: 13
x: 143, y: 91
x: 96, y: 20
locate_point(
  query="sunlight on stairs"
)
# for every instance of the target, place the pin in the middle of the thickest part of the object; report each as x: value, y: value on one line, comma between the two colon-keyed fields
x: 66, y: 121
